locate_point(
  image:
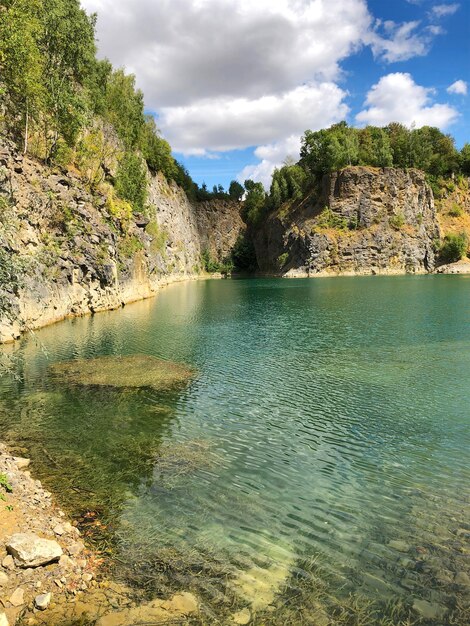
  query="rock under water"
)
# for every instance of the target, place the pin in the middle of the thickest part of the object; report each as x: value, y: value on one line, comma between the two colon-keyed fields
x: 123, y: 372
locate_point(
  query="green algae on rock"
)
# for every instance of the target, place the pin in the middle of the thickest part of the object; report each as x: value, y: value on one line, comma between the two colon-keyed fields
x: 134, y: 372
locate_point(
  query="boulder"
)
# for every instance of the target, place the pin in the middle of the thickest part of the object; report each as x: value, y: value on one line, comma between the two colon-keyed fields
x: 29, y: 550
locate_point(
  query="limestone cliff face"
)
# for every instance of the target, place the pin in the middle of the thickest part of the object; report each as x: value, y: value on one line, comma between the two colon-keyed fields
x: 362, y: 221
x: 65, y: 251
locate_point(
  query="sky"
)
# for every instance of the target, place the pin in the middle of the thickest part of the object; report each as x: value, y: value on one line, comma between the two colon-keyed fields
x: 234, y: 84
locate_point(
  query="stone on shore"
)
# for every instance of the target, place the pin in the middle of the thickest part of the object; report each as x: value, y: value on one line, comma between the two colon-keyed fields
x: 3, y: 620
x: 17, y: 597
x: 42, y: 601
x: 29, y: 550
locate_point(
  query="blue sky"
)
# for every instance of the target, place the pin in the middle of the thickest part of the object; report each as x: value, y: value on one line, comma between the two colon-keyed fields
x: 234, y: 83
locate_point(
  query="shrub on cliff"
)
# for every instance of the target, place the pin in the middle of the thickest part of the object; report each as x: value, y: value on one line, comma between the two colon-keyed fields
x: 453, y: 248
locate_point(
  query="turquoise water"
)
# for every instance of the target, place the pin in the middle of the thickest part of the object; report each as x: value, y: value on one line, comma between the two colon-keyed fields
x: 319, y: 456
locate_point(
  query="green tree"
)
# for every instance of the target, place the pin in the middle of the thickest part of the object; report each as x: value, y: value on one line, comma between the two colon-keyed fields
x: 255, y: 202
x: 131, y: 181
x: 156, y: 151
x: 465, y: 159
x: 235, y: 190
x: 22, y: 65
x: 125, y: 107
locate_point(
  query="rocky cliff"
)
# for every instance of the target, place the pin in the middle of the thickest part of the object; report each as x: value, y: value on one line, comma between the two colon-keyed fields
x: 68, y: 250
x: 361, y: 220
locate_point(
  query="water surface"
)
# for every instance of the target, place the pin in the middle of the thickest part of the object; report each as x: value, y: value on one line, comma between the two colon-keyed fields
x: 319, y: 456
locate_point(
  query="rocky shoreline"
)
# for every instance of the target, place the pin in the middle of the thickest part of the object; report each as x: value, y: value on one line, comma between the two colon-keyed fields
x: 47, y: 574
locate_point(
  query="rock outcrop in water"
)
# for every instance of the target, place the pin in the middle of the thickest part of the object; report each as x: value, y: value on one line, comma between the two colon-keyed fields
x: 362, y: 221
x: 69, y: 250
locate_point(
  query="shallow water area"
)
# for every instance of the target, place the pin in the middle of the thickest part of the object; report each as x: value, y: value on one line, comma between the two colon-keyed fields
x: 315, y: 469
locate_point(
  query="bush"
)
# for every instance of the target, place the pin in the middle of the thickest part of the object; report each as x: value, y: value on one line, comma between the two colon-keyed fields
x: 329, y: 219
x: 397, y: 221
x: 453, y: 248
x: 456, y: 211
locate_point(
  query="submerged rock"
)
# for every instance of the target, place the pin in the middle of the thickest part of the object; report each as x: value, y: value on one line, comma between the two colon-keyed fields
x: 158, y: 611
x: 242, y: 617
x: 29, y: 550
x: 123, y: 372
x: 429, y: 610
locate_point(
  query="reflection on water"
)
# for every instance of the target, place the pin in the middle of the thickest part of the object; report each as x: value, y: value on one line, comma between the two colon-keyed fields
x: 318, y: 461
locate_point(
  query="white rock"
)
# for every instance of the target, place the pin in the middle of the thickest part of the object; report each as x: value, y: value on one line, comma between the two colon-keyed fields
x: 3, y: 620
x: 59, y: 529
x: 21, y: 463
x: 42, y: 601
x: 29, y: 550
x: 8, y: 562
x: 3, y: 579
x: 17, y: 597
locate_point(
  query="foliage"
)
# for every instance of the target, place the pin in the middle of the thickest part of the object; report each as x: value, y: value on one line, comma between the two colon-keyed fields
x: 212, y: 266
x: 5, y: 483
x: 244, y: 255
x: 118, y: 208
x: 159, y: 237
x: 453, y: 248
x: 131, y: 180
x: 330, y: 219
x: 456, y: 211
x: 425, y: 148
x: 288, y: 183
x: 397, y: 221
x: 236, y: 190
x: 282, y: 259
x: 129, y: 246
x: 255, y: 202
x: 465, y: 159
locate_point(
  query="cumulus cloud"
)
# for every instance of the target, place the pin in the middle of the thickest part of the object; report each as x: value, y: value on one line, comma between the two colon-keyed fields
x: 397, y: 98
x: 460, y: 87
x: 443, y: 10
x: 188, y: 50
x: 399, y: 42
x: 224, y: 124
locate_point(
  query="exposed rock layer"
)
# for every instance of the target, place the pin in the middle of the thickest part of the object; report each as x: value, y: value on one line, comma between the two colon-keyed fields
x: 377, y: 221
x: 71, y: 253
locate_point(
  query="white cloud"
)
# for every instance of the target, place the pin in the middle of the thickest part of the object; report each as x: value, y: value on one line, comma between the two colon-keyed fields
x: 397, y: 98
x: 223, y: 124
x: 460, y: 87
x: 271, y: 156
x: 188, y: 50
x: 443, y: 10
x: 400, y: 42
